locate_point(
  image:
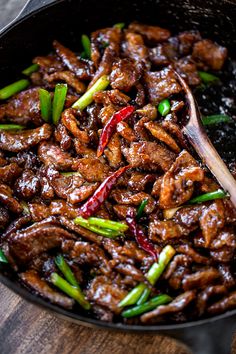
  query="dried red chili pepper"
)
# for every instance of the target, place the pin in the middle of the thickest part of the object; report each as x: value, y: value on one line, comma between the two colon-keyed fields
x: 139, y: 235
x: 100, y: 195
x: 110, y: 127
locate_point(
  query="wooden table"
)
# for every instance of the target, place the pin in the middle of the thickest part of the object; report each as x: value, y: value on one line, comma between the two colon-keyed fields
x: 26, y: 329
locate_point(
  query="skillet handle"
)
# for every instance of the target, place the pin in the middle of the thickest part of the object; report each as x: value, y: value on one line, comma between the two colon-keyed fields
x: 33, y: 5
x: 213, y: 337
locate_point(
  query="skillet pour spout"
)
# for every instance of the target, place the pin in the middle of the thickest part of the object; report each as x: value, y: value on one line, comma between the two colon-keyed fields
x: 215, y: 20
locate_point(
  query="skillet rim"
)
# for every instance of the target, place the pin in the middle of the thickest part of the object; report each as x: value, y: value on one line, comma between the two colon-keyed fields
x: 59, y: 311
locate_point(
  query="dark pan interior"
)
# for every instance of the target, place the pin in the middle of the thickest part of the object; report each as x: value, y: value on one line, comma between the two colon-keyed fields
x: 66, y: 21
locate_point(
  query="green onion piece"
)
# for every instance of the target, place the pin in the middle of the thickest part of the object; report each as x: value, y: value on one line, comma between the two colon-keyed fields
x: 147, y: 306
x: 164, y: 107
x: 207, y: 78
x: 3, y: 258
x: 141, y: 209
x: 66, y: 271
x: 45, y: 104
x: 132, y: 297
x: 219, y: 194
x: 58, y: 102
x: 87, y: 98
x: 108, y: 224
x: 144, y: 297
x: 100, y: 231
x: 31, y: 69
x: 11, y: 127
x: 12, y: 89
x: 68, y: 174
x: 216, y: 119
x: 71, y: 291
x: 83, y: 55
x: 119, y: 25
x: 157, y: 269
x: 86, y: 45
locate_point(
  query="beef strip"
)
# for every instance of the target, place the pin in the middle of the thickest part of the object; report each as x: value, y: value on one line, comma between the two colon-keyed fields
x: 23, y: 108
x: 8, y: 200
x: 51, y: 154
x: 24, y: 140
x: 210, y: 54
x: 9, y: 173
x: 178, y: 304
x: 124, y: 75
x: 33, y: 280
x: 36, y: 239
x: 178, y: 183
x: 152, y: 33
x: 81, y: 68
x: 161, y: 84
x: 27, y: 185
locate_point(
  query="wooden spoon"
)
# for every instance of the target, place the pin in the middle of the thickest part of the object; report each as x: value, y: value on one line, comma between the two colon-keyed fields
x: 198, y: 138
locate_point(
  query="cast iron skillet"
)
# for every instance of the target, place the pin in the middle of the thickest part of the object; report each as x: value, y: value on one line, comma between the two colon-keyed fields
x: 32, y: 33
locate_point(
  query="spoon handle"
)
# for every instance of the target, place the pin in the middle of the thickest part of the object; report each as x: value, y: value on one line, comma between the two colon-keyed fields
x: 210, y: 157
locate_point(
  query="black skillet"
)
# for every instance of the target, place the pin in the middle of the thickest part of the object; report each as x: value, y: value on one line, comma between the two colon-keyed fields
x: 32, y: 33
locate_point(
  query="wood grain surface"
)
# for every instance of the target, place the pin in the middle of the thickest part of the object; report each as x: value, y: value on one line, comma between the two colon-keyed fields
x: 26, y: 329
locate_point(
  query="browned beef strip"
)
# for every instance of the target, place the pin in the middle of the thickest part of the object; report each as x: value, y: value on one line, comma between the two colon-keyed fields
x: 67, y: 76
x: 205, y: 295
x: 178, y: 183
x: 227, y: 303
x: 152, y: 33
x: 200, y: 279
x: 111, y: 97
x: 49, y: 63
x: 15, y: 225
x: 4, y: 218
x: 9, y: 173
x: 138, y: 181
x: 113, y: 151
x: 33, y: 280
x: 160, y: 134
x: 81, y: 68
x: 187, y: 40
x: 188, y: 70
x: 24, y: 140
x: 158, y: 55
x: 51, y: 154
x: 71, y: 123
x: 124, y: 75
x: 178, y: 304
x: 135, y: 48
x: 7, y: 199
x: 85, y: 253
x: 128, y: 198
x: 105, y: 292
x: 210, y: 54
x: 161, y: 84
x: 92, y: 169
x: 62, y: 137
x: 27, y: 185
x: 23, y: 108
x: 144, y: 154
x: 36, y: 239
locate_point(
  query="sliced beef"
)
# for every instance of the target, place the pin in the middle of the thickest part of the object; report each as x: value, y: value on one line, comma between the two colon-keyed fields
x: 81, y: 68
x: 178, y: 304
x: 125, y: 131
x: 51, y: 154
x: 135, y: 48
x: 23, y: 108
x: 36, y: 239
x: 4, y: 218
x: 7, y: 199
x: 71, y: 123
x: 62, y: 137
x: 159, y: 133
x: 33, y: 280
x: 113, y: 151
x: 200, y: 279
x: 92, y: 169
x: 209, y: 54
x: 9, y: 173
x: 187, y: 40
x: 20, y: 141
x: 146, y: 154
x: 188, y: 70
x: 68, y: 77
x: 161, y: 84
x: 227, y: 303
x: 124, y: 75
x: 105, y: 292
x: 152, y: 33
x: 128, y: 198
x: 27, y: 186
x: 178, y: 183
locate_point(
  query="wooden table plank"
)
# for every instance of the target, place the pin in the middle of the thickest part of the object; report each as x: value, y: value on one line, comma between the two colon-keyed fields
x: 26, y: 329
